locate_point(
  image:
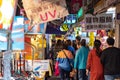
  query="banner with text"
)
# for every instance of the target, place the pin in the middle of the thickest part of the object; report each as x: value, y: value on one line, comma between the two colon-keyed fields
x: 41, y: 65
x: 42, y: 11
x: 98, y: 22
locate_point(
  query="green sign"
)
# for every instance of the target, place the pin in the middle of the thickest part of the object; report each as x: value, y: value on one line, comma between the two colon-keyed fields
x: 80, y: 13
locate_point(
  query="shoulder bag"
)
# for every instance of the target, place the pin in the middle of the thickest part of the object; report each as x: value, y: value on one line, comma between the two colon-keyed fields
x: 71, y: 66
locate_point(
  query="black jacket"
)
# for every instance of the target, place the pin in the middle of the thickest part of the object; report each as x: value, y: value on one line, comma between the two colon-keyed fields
x: 110, y: 59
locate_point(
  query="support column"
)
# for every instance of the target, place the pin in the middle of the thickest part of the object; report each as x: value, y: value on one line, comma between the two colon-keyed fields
x: 117, y: 28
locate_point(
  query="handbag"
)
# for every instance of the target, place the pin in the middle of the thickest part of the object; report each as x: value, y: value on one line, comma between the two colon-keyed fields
x: 71, y: 66
x: 57, y: 72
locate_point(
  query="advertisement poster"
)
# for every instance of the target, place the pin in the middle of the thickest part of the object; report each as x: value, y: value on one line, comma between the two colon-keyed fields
x: 38, y: 65
x: 42, y: 11
x: 41, y: 65
x: 18, y: 33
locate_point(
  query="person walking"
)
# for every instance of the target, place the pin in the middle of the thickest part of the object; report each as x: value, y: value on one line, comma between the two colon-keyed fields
x: 94, y: 65
x: 77, y: 39
x: 65, y: 60
x: 110, y: 60
x: 81, y: 60
x: 70, y: 47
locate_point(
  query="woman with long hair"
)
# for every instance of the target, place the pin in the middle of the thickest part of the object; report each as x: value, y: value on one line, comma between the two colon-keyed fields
x: 94, y: 65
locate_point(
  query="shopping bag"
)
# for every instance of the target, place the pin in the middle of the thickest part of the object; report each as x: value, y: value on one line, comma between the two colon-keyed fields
x: 57, y: 72
x: 72, y: 73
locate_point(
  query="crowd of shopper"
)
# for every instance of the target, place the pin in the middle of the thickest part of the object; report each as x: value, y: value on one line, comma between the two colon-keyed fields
x: 88, y: 64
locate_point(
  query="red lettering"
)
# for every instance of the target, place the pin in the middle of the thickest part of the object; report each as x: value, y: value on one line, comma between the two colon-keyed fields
x: 44, y: 19
x: 53, y: 15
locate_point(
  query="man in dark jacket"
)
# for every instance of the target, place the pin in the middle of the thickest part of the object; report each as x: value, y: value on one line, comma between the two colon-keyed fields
x: 110, y: 60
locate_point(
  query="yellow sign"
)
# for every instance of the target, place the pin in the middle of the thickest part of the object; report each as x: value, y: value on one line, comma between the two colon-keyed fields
x: 64, y: 27
x: 91, y: 42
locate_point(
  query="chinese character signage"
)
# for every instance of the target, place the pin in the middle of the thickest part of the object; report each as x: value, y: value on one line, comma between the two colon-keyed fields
x: 98, y: 22
x: 42, y: 11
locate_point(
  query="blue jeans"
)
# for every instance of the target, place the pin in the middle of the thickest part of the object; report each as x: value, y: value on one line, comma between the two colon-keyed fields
x: 82, y: 74
x: 64, y: 75
x: 111, y: 77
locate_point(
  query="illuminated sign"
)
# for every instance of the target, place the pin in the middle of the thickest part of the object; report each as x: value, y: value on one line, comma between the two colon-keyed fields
x: 64, y: 27
x: 6, y: 13
x: 70, y: 19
